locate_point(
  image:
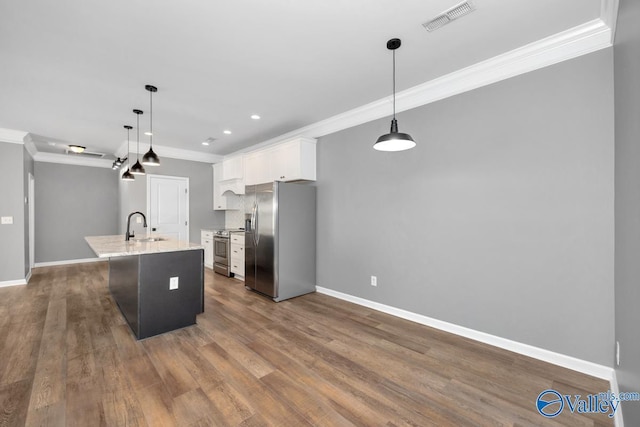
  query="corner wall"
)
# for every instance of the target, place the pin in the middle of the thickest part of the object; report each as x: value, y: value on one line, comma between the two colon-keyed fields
x: 627, y: 128
x: 12, y: 245
x: 72, y: 202
x: 500, y: 220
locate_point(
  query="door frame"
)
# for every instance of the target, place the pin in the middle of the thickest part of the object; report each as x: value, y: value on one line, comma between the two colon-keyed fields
x: 32, y: 221
x: 184, y: 179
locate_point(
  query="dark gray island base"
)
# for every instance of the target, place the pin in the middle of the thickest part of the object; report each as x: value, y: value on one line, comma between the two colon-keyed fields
x: 140, y: 285
x: 157, y: 282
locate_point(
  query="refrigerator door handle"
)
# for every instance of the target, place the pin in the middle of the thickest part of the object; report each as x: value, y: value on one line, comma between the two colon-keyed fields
x: 253, y: 222
x: 257, y: 222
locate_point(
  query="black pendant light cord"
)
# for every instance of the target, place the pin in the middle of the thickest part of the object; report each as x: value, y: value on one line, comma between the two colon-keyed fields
x: 394, y: 84
x: 138, y: 138
x: 151, y: 119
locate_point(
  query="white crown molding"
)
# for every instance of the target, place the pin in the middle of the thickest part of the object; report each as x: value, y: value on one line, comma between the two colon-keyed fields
x: 72, y: 160
x: 609, y: 15
x: 181, y: 154
x: 584, y: 366
x: 170, y: 152
x: 577, y: 41
x: 12, y: 136
x: 29, y: 145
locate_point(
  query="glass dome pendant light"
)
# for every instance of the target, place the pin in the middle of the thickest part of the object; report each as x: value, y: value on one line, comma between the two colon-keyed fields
x: 128, y: 176
x: 394, y: 140
x: 137, y: 168
x: 150, y: 158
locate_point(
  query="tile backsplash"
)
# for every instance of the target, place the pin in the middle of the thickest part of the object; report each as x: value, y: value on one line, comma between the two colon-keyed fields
x: 235, y: 218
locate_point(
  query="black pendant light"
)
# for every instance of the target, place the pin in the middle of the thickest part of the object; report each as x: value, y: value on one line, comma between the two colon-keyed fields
x: 128, y: 176
x: 394, y: 140
x: 137, y: 168
x: 150, y: 158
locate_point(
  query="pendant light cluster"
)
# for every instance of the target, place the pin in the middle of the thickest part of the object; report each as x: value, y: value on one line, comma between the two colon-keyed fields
x: 394, y: 140
x: 127, y: 175
x: 150, y: 158
x: 137, y: 168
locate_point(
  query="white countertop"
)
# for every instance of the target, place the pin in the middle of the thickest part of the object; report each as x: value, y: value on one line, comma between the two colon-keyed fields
x: 114, y: 246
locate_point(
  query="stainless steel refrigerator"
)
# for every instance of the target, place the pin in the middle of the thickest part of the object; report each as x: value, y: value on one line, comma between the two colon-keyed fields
x: 280, y: 239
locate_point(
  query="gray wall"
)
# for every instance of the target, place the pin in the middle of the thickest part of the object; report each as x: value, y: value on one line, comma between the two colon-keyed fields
x: 133, y: 195
x: 12, y: 204
x: 27, y: 168
x: 500, y: 220
x: 72, y: 202
x: 627, y: 185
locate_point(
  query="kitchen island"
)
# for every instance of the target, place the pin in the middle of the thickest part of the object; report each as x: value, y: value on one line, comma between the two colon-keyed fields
x: 158, y: 283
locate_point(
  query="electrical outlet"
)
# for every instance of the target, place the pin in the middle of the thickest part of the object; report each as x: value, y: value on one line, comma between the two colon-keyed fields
x: 173, y: 283
x: 617, y: 353
x: 138, y: 220
x: 374, y: 281
x: 7, y: 220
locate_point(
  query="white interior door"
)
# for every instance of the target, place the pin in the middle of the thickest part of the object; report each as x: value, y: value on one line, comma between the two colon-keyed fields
x: 168, y: 206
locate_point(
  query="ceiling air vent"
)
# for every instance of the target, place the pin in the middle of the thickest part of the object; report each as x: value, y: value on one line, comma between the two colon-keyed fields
x: 444, y: 18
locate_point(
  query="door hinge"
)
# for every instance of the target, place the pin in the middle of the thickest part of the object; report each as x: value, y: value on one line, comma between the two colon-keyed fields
x: 186, y: 191
x: 185, y: 223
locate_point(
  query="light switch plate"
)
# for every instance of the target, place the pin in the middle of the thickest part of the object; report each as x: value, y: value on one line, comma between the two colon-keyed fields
x: 173, y: 283
x: 139, y: 220
x: 7, y: 220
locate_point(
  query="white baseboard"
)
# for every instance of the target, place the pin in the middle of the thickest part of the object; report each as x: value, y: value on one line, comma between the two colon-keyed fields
x: 68, y: 261
x: 26, y: 279
x: 586, y: 367
x: 13, y: 283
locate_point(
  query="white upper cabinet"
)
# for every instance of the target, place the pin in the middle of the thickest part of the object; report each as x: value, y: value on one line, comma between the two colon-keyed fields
x: 223, y: 197
x: 233, y: 168
x: 290, y: 161
x: 257, y: 168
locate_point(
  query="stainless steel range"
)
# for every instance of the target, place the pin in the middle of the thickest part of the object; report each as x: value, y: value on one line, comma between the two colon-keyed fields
x: 221, y: 253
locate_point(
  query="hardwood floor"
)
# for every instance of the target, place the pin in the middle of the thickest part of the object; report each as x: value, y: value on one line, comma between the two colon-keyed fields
x: 67, y: 357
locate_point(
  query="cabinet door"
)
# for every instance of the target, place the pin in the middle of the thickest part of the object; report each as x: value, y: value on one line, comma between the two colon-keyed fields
x: 285, y: 162
x: 233, y: 168
x: 207, y: 242
x: 219, y: 201
x: 295, y: 160
x: 257, y: 168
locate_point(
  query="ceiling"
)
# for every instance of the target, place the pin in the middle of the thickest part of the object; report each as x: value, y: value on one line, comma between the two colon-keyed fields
x: 73, y: 70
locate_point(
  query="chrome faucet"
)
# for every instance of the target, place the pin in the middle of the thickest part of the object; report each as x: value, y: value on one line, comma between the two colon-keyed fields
x: 129, y: 235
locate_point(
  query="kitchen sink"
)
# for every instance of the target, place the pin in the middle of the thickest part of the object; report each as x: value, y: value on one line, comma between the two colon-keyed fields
x: 150, y: 239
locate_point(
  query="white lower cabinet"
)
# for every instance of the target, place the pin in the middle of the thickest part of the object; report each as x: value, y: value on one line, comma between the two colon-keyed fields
x: 237, y: 255
x: 206, y: 240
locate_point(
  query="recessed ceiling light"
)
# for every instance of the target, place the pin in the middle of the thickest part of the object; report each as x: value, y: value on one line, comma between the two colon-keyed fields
x: 148, y: 133
x: 227, y: 132
x: 255, y: 117
x: 205, y: 143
